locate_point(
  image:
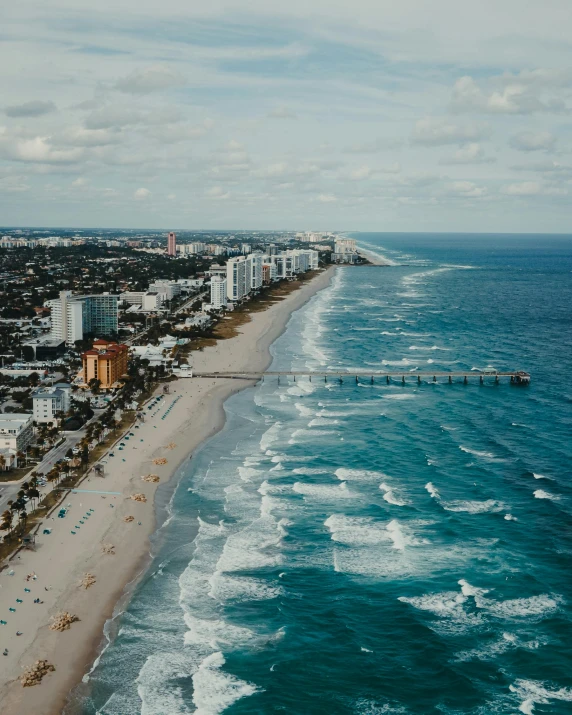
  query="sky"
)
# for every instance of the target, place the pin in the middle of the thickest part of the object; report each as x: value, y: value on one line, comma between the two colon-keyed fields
x: 373, y: 115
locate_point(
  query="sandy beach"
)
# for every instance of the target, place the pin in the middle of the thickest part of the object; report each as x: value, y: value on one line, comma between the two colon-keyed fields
x: 51, y: 574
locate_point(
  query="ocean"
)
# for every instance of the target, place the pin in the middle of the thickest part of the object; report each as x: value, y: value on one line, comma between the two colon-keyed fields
x: 385, y: 548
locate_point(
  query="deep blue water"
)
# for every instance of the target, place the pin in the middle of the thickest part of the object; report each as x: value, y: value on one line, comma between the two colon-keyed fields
x: 377, y: 549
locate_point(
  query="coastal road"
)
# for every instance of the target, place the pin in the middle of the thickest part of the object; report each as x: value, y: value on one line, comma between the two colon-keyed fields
x: 191, y: 300
x: 9, y: 491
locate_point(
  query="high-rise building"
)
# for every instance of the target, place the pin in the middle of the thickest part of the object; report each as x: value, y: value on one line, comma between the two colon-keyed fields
x: 218, y: 292
x: 237, y: 285
x: 106, y: 362
x: 99, y: 314
x: 67, y: 318
x: 172, y: 244
x: 75, y: 315
x: 254, y: 270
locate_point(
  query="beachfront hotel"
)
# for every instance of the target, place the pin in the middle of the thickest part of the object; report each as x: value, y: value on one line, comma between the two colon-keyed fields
x: 106, y: 362
x: 218, y: 292
x: 237, y: 285
x: 74, y: 316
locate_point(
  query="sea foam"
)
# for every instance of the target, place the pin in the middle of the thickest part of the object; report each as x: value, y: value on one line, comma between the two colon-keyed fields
x: 541, y: 494
x: 215, y: 690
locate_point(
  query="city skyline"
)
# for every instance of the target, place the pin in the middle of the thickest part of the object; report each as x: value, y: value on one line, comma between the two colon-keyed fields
x: 373, y: 117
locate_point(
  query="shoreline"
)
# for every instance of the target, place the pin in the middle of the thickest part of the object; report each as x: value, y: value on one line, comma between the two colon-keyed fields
x: 193, y: 412
x: 373, y: 259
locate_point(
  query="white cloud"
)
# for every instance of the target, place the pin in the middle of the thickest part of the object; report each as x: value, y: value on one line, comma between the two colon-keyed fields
x: 38, y: 150
x: 150, y: 79
x: 114, y: 116
x: 217, y: 192
x: 141, y: 194
x: 361, y: 173
x: 79, y: 182
x: 180, y: 132
x: 550, y: 167
x: 533, y: 141
x: 467, y: 189
x: 326, y: 198
x: 373, y: 147
x: 79, y: 136
x: 472, y: 153
x: 390, y: 168
x: 436, y: 131
x: 282, y: 113
x: 525, y: 188
x: 516, y: 95
x: 35, y: 108
x: 13, y: 184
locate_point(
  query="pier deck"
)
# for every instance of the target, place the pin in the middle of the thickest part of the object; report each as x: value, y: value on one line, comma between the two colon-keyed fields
x: 518, y: 377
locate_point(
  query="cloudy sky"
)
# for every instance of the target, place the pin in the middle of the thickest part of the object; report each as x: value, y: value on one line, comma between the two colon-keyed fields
x: 446, y: 115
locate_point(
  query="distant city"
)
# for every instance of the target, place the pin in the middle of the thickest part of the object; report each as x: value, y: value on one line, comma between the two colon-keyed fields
x: 79, y: 306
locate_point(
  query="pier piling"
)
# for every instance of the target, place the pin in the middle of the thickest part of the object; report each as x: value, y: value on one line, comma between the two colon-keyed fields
x: 517, y: 377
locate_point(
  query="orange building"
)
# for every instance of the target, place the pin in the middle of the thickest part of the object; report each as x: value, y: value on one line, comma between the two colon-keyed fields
x: 106, y: 362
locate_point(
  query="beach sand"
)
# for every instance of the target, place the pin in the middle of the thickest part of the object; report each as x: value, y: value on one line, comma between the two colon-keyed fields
x: 61, y: 558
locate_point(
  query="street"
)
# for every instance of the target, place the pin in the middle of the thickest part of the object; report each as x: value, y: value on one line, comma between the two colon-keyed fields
x: 9, y: 491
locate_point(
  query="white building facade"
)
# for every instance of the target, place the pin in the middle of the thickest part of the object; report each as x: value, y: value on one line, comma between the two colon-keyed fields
x: 48, y: 402
x: 218, y: 292
x: 237, y: 286
x: 74, y: 315
x: 254, y: 271
x: 16, y: 431
x: 166, y: 289
x: 67, y: 318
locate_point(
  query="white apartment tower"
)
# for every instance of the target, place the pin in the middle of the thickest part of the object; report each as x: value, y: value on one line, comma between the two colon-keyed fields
x: 237, y: 285
x: 67, y: 318
x: 218, y: 292
x: 254, y: 270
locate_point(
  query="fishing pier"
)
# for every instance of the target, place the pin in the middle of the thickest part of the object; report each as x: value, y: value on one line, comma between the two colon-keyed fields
x: 517, y: 377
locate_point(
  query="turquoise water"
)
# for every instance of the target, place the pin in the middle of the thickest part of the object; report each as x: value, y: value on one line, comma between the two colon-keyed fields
x: 376, y: 549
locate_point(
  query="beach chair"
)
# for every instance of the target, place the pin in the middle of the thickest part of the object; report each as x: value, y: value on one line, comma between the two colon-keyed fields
x: 26, y: 590
x: 73, y: 532
x: 12, y: 610
x: 19, y: 600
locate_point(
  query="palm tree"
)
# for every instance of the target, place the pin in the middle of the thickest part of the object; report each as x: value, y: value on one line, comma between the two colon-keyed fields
x: 2, y: 461
x: 6, y: 521
x: 33, y: 494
